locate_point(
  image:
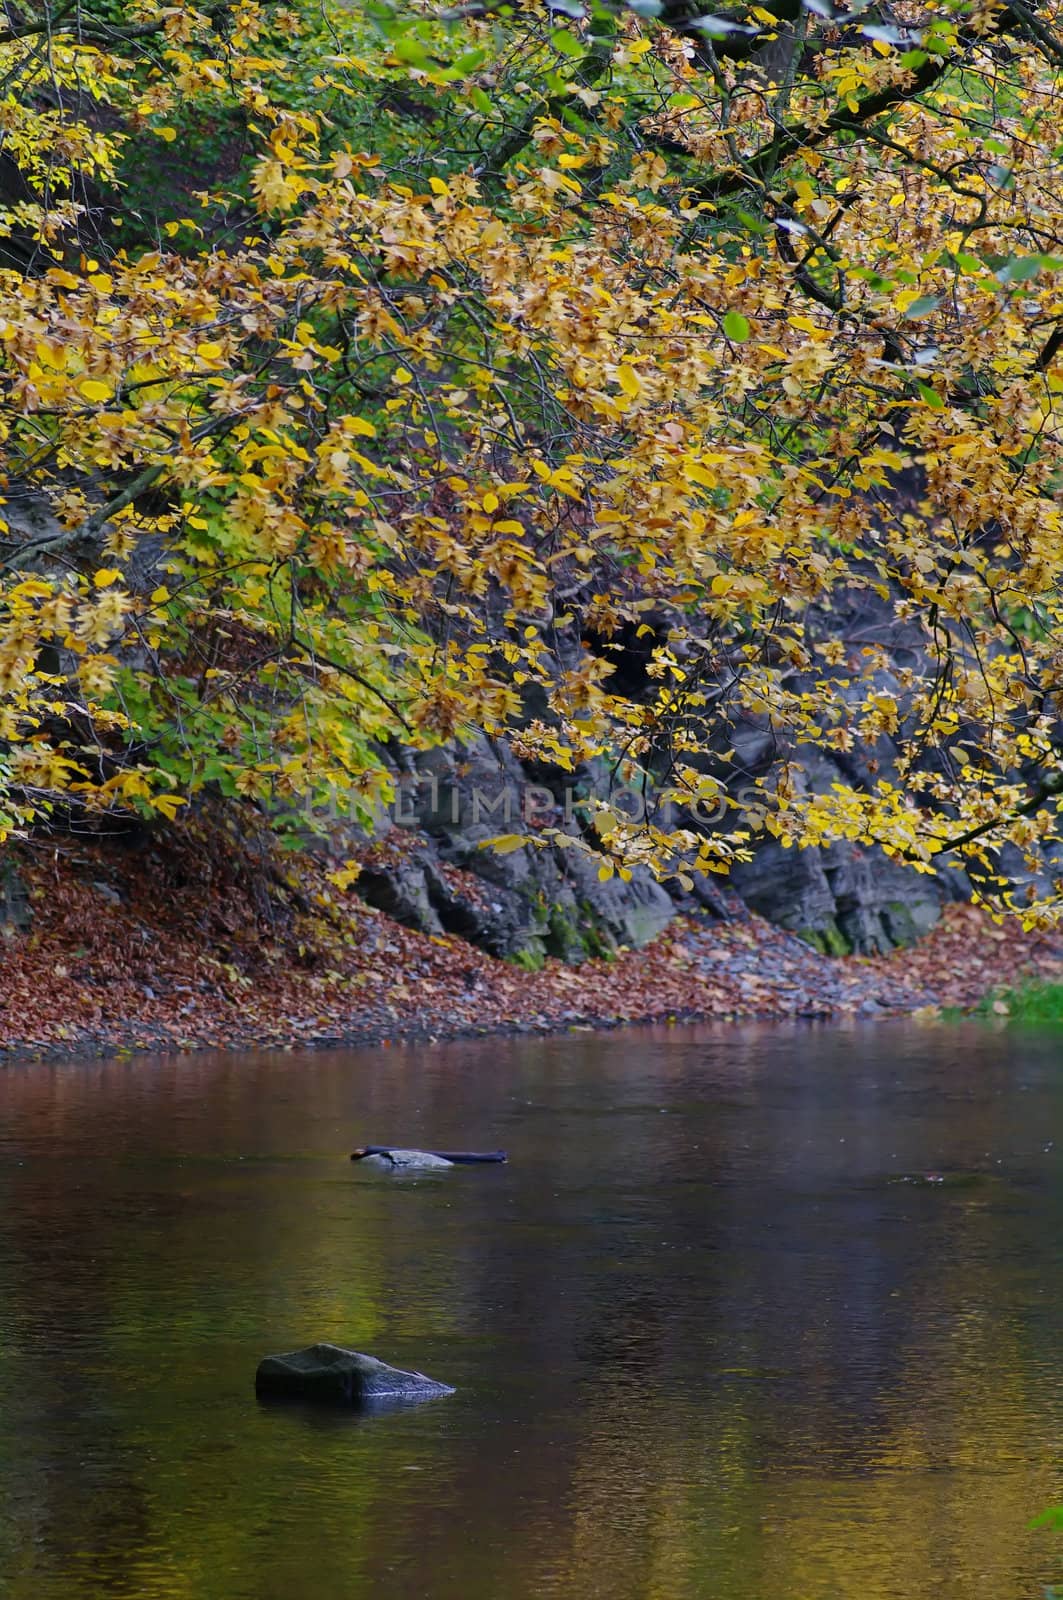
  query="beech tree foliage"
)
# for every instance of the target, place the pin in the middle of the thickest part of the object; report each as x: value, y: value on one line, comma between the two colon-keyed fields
x: 372, y: 375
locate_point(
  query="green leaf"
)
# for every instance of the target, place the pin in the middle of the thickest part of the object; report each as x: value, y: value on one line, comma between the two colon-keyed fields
x: 480, y: 100
x: 1019, y: 269
x: 565, y: 41
x: 924, y: 305
x: 736, y: 327
x: 754, y: 224
x: 411, y: 51
x: 968, y: 263
x: 931, y: 397
x: 385, y: 18
x: 877, y: 282
x: 470, y: 60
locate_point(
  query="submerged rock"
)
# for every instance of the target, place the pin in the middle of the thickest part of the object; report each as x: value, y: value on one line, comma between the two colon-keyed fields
x: 334, y: 1376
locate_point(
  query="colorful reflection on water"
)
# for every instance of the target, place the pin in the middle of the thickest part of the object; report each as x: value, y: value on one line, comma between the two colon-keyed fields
x: 705, y: 1348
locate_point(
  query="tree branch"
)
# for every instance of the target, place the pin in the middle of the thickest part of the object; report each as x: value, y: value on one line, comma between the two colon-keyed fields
x: 1046, y: 789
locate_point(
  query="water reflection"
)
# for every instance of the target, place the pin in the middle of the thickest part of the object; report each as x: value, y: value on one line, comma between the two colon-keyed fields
x: 704, y: 1347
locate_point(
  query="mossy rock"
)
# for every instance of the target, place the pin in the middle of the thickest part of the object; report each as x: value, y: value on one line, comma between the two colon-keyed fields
x: 565, y: 939
x: 828, y: 940
x: 531, y: 959
x: 899, y: 923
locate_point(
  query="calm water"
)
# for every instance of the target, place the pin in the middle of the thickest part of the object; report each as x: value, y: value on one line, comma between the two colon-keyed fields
x: 704, y: 1348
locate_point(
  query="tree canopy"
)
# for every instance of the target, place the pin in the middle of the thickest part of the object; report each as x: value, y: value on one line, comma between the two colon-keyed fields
x: 370, y: 374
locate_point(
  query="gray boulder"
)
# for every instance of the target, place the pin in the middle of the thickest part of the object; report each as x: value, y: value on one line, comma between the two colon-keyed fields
x: 334, y: 1376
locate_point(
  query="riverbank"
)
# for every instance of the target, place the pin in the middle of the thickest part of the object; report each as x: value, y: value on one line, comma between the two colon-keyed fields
x: 200, y: 942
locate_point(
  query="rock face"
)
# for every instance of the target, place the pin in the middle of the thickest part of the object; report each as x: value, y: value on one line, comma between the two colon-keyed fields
x: 533, y: 901
x: 843, y: 898
x: 538, y: 899
x: 16, y: 915
x: 431, y: 871
x: 334, y: 1376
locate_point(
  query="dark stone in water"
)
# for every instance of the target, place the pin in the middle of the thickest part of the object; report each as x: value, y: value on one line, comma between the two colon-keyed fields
x: 334, y: 1376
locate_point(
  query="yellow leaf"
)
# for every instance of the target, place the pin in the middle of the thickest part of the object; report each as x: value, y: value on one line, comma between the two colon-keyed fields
x: 106, y: 576
x: 167, y: 804
x: 169, y: 134
x: 344, y: 876
x: 628, y: 379
x: 93, y: 389
x: 504, y: 843
x: 490, y: 502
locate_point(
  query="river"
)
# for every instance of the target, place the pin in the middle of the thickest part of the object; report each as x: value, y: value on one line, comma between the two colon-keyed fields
x: 706, y: 1346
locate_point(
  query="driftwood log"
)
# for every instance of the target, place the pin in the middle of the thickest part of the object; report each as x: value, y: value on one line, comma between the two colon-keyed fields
x: 457, y: 1157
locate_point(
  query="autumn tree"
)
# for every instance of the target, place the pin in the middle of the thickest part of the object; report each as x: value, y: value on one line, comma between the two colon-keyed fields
x: 370, y: 376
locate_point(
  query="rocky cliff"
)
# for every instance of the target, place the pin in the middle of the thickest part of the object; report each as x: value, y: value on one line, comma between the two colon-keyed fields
x: 430, y: 865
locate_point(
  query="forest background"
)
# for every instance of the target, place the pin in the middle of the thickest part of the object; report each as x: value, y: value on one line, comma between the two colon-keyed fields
x: 657, y: 402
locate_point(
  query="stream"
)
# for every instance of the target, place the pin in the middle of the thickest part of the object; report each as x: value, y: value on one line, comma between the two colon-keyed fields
x: 753, y: 1313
